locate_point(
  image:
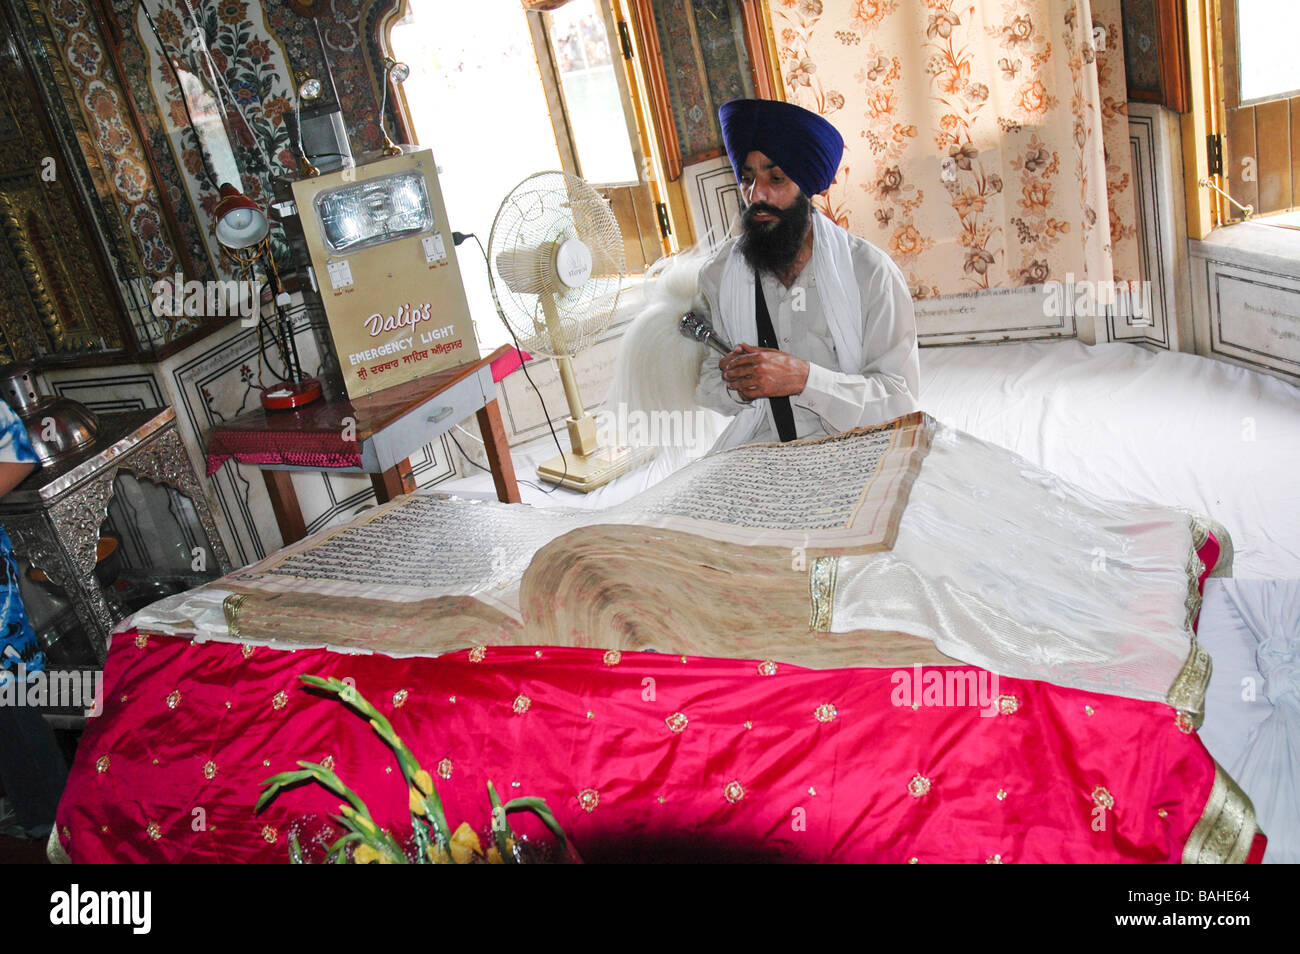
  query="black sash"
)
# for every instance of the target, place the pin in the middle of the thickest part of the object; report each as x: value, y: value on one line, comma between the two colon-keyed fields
x: 781, y: 411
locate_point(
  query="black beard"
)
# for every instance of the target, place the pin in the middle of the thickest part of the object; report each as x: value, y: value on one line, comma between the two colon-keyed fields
x: 773, y: 246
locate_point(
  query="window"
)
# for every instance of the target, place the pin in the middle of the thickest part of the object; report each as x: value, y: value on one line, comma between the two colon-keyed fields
x: 593, y: 105
x: 1261, y: 98
x: 1260, y: 95
x: 594, y: 114
x: 1267, y: 68
x: 506, y: 93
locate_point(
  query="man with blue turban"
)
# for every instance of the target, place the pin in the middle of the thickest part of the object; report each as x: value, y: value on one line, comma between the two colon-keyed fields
x: 822, y: 320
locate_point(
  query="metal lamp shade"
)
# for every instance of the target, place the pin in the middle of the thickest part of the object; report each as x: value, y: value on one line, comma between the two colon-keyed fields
x: 58, y: 426
x: 241, y: 223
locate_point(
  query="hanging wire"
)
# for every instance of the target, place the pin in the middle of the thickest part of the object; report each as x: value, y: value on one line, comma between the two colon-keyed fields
x: 220, y: 81
x: 185, y: 102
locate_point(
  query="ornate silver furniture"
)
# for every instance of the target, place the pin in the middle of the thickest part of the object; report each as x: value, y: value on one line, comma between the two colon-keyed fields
x: 55, y: 516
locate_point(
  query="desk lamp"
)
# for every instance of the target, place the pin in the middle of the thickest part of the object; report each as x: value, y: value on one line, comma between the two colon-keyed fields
x: 244, y: 233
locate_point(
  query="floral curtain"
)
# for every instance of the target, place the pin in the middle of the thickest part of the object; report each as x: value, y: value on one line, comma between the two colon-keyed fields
x: 987, y: 144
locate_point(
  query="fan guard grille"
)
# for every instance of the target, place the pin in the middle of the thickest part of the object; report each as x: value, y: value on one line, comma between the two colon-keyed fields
x: 535, y: 219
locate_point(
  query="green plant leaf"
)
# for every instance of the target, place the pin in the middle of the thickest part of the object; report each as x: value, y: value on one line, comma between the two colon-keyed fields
x: 501, y: 831
x: 539, y: 808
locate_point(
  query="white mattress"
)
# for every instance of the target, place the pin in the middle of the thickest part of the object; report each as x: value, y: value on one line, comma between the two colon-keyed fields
x: 1139, y: 425
x: 1117, y: 420
x: 1252, y: 708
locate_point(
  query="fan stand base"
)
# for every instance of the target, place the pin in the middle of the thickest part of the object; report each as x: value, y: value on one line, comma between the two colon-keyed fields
x: 586, y: 472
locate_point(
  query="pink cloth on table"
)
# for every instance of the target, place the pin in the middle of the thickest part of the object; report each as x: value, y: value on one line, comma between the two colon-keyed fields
x: 291, y: 448
x: 310, y: 448
x: 509, y: 363
x: 640, y: 756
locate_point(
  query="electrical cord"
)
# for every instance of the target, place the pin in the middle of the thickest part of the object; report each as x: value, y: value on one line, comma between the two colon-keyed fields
x: 477, y: 440
x: 221, y: 82
x: 473, y: 463
x: 457, y: 238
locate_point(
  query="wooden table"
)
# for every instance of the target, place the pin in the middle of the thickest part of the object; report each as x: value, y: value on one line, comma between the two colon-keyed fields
x: 374, y: 434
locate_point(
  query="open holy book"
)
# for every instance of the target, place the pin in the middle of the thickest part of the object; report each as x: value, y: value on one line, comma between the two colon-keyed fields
x: 905, y: 543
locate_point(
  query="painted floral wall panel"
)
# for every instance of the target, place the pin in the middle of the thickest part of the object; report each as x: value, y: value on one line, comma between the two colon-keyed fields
x: 1141, y: 52
x: 192, y: 246
x: 703, y: 55
x: 54, y: 301
x: 974, y: 133
x: 224, y: 120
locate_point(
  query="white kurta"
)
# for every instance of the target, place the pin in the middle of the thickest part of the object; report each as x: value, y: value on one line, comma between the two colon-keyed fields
x: 835, y: 398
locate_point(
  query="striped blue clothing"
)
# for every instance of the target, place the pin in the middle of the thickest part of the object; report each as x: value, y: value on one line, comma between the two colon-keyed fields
x: 18, y: 643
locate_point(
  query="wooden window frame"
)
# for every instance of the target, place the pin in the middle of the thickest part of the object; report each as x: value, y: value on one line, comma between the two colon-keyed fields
x: 634, y: 201
x: 755, y: 15
x: 1171, y: 53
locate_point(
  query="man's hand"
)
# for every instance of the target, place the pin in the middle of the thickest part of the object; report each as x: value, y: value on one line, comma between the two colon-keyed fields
x: 763, y: 372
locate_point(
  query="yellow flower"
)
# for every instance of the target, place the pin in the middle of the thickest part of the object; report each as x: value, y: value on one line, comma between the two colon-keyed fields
x: 494, y: 855
x: 438, y: 855
x: 424, y: 782
x: 465, y: 846
x: 416, y: 801
x: 361, y: 821
x: 365, y: 855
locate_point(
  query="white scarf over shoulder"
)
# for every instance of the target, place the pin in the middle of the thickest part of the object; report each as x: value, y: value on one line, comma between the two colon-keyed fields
x: 837, y: 289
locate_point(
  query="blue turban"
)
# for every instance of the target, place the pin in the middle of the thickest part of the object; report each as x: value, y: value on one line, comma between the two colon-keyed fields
x: 805, y: 146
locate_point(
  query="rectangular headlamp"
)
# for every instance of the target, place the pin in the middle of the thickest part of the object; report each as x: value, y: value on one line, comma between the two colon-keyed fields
x: 364, y: 214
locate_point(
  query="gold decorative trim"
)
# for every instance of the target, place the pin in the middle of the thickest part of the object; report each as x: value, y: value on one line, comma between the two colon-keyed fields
x: 231, y: 606
x: 1227, y: 826
x: 29, y: 264
x: 1188, y: 691
x: 821, y: 589
x: 1202, y: 526
x: 54, y: 849
x: 1195, y: 567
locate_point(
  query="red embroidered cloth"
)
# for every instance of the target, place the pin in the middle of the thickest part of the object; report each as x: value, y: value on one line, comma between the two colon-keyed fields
x: 640, y: 755
x: 291, y: 448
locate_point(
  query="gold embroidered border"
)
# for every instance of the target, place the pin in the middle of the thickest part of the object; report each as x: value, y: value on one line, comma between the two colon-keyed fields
x: 230, y: 606
x: 821, y: 589
x: 1222, y: 566
x: 54, y: 849
x: 1227, y: 826
x: 1202, y: 526
x: 1195, y: 567
x: 1188, y: 692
